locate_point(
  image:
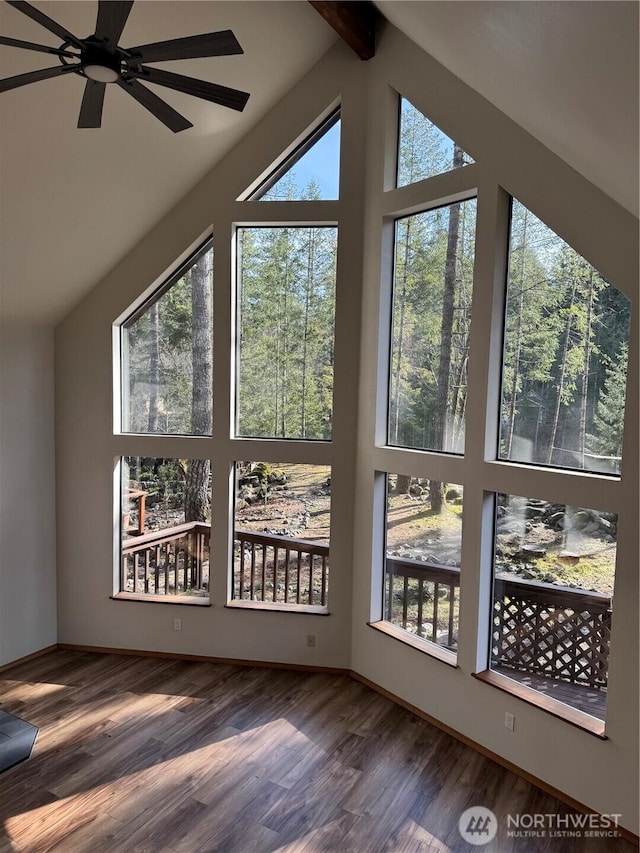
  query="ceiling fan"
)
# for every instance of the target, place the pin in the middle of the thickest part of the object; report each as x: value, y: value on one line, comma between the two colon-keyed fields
x: 99, y: 59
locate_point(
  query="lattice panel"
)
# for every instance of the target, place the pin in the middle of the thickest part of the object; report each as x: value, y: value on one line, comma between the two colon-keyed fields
x: 552, y: 641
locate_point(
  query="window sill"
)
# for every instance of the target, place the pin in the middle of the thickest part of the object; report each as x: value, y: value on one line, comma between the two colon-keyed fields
x: 425, y: 646
x: 278, y: 606
x: 197, y: 600
x: 552, y: 706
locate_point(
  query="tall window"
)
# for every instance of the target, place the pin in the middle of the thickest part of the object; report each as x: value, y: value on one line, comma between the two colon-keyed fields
x: 285, y: 314
x: 427, y: 395
x: 167, y: 388
x: 563, y: 370
x: 565, y: 355
x: 433, y: 281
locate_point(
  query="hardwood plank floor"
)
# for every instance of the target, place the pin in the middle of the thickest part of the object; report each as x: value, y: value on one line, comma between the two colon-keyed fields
x: 141, y: 755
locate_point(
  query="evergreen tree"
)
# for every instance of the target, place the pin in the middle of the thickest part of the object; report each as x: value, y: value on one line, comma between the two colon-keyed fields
x: 609, y: 418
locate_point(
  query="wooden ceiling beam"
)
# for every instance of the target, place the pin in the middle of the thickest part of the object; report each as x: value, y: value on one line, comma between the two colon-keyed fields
x: 354, y: 21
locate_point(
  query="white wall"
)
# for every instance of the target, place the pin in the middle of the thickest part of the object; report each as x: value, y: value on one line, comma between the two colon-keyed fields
x: 507, y: 161
x: 27, y: 509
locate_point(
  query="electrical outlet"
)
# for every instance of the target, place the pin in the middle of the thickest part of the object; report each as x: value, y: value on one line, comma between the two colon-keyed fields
x: 509, y: 721
x: 177, y: 624
x: 311, y: 641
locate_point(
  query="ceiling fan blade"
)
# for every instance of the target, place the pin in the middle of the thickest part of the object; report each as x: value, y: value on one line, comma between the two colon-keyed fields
x: 232, y: 98
x: 45, y: 21
x: 91, y: 108
x: 159, y: 108
x: 29, y: 45
x: 112, y: 16
x: 223, y: 43
x: 33, y: 76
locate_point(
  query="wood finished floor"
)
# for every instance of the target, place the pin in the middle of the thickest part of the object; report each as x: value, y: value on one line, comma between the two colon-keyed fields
x: 140, y: 754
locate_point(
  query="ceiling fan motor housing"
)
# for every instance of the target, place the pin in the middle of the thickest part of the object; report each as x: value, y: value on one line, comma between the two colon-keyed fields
x: 101, y: 65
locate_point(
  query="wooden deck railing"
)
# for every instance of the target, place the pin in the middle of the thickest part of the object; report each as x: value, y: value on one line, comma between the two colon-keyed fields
x: 542, y: 628
x: 538, y: 627
x: 423, y: 598
x: 174, y: 561
x: 269, y: 568
x: 279, y: 569
x: 555, y: 631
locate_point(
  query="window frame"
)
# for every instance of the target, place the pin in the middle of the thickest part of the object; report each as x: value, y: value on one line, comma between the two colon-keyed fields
x: 121, y: 346
x: 481, y: 470
x: 438, y: 204
x: 271, y: 224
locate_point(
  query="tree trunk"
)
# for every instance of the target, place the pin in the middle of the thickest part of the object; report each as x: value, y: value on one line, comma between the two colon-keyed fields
x: 563, y: 369
x: 516, y: 359
x: 399, y: 353
x: 305, y: 335
x: 436, y: 489
x: 154, y: 368
x: 582, y: 437
x: 402, y: 484
x: 197, y: 502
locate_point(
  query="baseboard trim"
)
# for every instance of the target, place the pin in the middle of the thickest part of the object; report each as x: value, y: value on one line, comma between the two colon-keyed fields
x: 327, y: 670
x: 27, y: 658
x: 494, y: 756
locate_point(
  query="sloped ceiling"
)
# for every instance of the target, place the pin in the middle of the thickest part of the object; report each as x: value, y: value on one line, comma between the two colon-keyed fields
x: 74, y: 202
x: 565, y: 71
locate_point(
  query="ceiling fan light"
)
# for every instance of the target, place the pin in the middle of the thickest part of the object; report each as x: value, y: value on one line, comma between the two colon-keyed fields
x: 100, y: 73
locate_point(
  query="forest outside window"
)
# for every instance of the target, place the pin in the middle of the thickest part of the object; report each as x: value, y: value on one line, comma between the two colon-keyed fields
x: 423, y: 149
x: 422, y: 559
x: 565, y: 355
x: 433, y: 281
x: 166, y: 355
x: 554, y: 571
x: 282, y: 530
x: 285, y: 332
x: 165, y: 529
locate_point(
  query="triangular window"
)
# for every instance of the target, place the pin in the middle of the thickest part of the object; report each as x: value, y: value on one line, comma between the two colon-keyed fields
x: 311, y: 172
x: 423, y: 149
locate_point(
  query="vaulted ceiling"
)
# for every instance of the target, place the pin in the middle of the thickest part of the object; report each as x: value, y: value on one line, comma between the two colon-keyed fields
x: 73, y: 202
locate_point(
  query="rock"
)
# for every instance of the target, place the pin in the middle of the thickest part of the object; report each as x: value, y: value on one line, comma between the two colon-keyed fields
x: 556, y: 520
x: 580, y: 519
x: 532, y: 552
x: 569, y: 557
